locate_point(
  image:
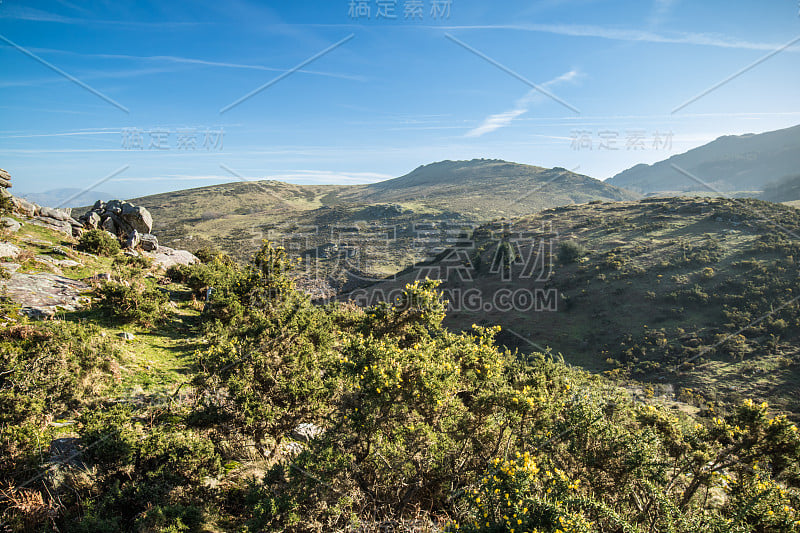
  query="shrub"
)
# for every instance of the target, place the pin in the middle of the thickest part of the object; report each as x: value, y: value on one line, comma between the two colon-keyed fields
x: 570, y: 251
x: 99, y: 242
x: 137, y: 303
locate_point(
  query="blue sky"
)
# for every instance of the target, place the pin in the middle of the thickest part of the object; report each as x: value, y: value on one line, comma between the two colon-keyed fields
x: 91, y: 89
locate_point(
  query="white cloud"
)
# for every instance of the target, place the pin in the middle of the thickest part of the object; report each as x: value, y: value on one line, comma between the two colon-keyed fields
x: 501, y: 120
x: 622, y: 34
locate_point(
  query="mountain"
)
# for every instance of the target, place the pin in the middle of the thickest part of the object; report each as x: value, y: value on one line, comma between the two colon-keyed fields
x: 66, y: 197
x: 488, y: 188
x: 689, y: 294
x: 730, y: 164
x: 236, y: 216
x: 785, y: 190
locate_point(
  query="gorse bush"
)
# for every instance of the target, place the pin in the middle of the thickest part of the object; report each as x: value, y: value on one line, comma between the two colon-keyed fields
x: 571, y: 251
x: 99, y: 242
x: 415, y: 424
x: 133, y: 302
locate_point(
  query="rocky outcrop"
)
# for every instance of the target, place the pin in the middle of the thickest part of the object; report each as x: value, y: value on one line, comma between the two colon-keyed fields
x: 5, y: 183
x: 132, y: 224
x: 118, y: 217
x: 56, y: 219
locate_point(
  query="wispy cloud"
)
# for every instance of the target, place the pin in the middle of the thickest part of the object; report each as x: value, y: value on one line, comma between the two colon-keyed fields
x: 179, y: 60
x: 521, y: 106
x: 623, y: 34
x: 18, y: 12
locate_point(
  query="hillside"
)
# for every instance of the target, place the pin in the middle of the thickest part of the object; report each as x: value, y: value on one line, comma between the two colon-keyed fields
x: 733, y: 163
x: 142, y: 408
x: 695, y: 296
x: 313, y: 219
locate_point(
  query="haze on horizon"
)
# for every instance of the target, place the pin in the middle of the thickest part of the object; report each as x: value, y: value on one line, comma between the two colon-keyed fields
x: 154, y: 97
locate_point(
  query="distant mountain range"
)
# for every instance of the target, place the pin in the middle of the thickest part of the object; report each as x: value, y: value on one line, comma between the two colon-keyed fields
x: 67, y: 197
x: 730, y: 164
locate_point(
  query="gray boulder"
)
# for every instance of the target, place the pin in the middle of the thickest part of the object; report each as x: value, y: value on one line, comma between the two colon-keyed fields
x: 56, y: 214
x: 138, y: 218
x: 110, y: 226
x: 93, y: 220
x: 9, y: 250
x: 149, y: 242
x: 166, y: 257
x: 114, y: 206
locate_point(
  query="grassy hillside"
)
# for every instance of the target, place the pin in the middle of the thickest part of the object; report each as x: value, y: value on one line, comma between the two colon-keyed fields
x: 694, y: 296
x: 263, y: 412
x: 236, y: 217
x: 733, y: 163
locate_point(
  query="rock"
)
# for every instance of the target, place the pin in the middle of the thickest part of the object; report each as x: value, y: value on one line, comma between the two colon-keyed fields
x: 133, y: 240
x: 114, y: 206
x: 126, y: 336
x: 130, y: 253
x: 138, y: 218
x: 306, y: 432
x: 4, y: 193
x: 77, y: 232
x: 149, y: 242
x: 24, y: 207
x: 5, y: 175
x: 41, y: 295
x: 110, y: 226
x: 6, y: 184
x: 57, y: 225
x: 10, y: 224
x: 166, y: 257
x: 56, y: 214
x: 98, y: 278
x: 93, y: 220
x: 69, y: 263
x: 9, y: 250
x: 9, y: 267
x: 99, y: 206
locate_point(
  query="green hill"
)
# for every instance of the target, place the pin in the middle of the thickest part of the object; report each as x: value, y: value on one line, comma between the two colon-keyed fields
x: 695, y: 296
x: 235, y: 217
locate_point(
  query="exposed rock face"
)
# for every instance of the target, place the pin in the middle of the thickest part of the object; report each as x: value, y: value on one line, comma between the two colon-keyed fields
x: 41, y: 295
